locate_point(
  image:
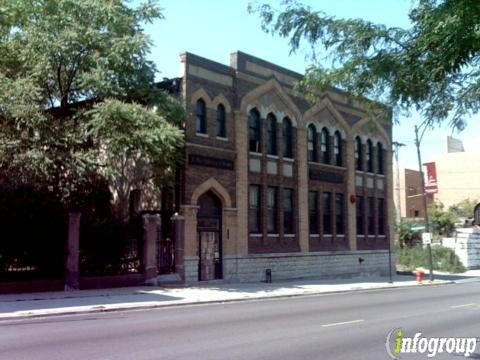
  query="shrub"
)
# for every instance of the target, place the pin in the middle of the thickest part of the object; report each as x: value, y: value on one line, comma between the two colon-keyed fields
x: 444, y: 259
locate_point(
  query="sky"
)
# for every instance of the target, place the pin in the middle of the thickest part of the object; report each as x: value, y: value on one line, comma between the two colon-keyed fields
x: 216, y: 28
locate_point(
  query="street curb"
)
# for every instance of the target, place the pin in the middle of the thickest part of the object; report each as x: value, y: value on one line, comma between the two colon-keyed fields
x: 98, y: 309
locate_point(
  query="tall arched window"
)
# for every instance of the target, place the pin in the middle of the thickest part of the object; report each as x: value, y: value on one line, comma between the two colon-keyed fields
x: 271, y: 134
x: 358, y: 154
x: 201, y: 121
x: 325, y: 145
x: 380, y: 161
x: 254, y: 134
x: 312, y: 142
x: 287, y: 138
x: 221, y: 121
x: 369, y: 156
x: 337, y: 148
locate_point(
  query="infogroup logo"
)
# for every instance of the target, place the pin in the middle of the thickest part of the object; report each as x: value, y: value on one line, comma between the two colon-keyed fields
x: 398, y: 344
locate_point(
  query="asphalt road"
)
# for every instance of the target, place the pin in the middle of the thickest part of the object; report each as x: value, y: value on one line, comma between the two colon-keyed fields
x: 337, y: 326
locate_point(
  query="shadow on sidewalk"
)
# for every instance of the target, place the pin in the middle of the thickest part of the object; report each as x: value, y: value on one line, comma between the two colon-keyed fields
x: 77, y: 298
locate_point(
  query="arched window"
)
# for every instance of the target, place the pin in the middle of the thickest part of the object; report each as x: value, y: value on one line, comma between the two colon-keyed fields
x: 325, y: 145
x: 312, y: 142
x: 287, y: 138
x: 358, y: 154
x: 221, y: 121
x: 380, y: 161
x: 201, y: 122
x: 271, y: 134
x: 369, y: 156
x: 254, y: 134
x: 337, y: 148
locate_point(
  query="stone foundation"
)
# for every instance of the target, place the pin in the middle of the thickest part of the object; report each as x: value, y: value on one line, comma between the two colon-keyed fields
x: 466, y: 245
x: 328, y: 265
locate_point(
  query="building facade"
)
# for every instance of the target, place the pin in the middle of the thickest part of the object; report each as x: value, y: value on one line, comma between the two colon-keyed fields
x: 410, y: 194
x: 456, y: 177
x: 274, y: 183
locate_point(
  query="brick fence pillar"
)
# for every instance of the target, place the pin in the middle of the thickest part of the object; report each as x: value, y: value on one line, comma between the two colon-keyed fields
x: 72, y: 273
x: 151, y: 222
x: 179, y: 241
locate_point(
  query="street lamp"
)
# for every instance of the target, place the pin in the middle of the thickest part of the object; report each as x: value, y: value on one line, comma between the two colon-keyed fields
x: 418, y: 139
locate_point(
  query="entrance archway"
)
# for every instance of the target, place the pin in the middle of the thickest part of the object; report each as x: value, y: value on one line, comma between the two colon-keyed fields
x: 209, y: 230
x: 476, y: 214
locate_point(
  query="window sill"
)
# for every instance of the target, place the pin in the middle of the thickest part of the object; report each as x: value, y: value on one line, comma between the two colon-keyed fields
x: 362, y: 236
x: 201, y: 135
x: 289, y: 235
x: 327, y: 235
x: 340, y: 235
x: 273, y: 235
x: 221, y: 138
x: 272, y: 156
x: 327, y: 165
x: 255, y: 235
x: 315, y: 235
x: 254, y: 153
x: 382, y: 236
x: 286, y: 159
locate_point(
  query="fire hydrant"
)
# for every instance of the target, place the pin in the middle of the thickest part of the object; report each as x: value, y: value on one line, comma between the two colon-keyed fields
x: 420, y: 275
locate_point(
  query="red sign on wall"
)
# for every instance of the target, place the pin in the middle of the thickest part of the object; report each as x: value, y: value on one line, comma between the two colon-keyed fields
x: 430, y: 173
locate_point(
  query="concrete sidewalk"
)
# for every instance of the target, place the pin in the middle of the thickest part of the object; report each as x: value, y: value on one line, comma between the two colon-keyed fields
x: 14, y: 306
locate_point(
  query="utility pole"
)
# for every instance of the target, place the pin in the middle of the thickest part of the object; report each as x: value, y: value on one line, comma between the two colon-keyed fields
x: 397, y: 145
x: 398, y: 215
x: 425, y: 207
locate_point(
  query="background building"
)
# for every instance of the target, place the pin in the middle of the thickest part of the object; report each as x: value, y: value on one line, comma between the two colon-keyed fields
x: 457, y: 179
x: 458, y: 175
x: 410, y: 192
x: 271, y: 181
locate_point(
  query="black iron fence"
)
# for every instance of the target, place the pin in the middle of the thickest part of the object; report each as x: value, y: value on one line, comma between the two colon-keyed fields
x: 33, y: 225
x: 110, y: 247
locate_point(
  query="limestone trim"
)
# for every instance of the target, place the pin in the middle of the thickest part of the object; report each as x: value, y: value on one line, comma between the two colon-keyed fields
x: 381, y: 136
x: 201, y: 72
x: 271, y: 85
x: 221, y: 99
x: 201, y: 94
x: 210, y: 147
x: 309, y: 118
x: 213, y: 185
x: 258, y: 81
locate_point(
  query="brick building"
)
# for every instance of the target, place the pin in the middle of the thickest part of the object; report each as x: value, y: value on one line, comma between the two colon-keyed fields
x: 271, y: 181
x: 410, y: 194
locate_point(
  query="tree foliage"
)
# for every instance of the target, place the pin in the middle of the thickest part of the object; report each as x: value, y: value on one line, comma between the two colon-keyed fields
x: 442, y: 222
x: 433, y: 66
x: 464, y: 208
x: 77, y: 94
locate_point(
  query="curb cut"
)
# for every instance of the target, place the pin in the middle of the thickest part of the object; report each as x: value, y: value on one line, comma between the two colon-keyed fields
x: 97, y: 309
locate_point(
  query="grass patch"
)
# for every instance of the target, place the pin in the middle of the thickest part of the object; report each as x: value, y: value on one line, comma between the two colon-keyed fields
x: 444, y: 259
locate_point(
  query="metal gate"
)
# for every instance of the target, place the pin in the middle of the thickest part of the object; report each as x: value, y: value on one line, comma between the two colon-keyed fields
x: 165, y: 246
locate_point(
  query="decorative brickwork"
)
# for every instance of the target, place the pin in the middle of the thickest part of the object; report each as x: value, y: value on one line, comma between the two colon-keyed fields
x: 281, y: 170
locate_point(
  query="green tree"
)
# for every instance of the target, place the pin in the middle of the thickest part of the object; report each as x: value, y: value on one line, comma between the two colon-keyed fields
x: 442, y: 222
x: 78, y: 98
x: 464, y: 208
x: 432, y: 66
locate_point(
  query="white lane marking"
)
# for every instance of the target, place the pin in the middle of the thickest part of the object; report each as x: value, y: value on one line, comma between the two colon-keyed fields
x: 343, y: 323
x: 461, y: 306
